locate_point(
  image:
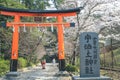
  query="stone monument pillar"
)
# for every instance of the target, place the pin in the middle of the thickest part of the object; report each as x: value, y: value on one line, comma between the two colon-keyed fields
x: 89, y: 58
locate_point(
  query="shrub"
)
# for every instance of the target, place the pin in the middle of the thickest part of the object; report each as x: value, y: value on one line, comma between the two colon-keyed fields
x: 30, y: 64
x: 22, y: 62
x: 47, y: 58
x: 71, y: 68
x: 4, y: 66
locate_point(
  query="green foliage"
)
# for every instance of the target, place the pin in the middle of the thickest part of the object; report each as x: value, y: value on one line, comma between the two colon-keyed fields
x: 47, y: 58
x: 4, y: 66
x: 57, y: 3
x: 36, y: 4
x: 22, y: 62
x: 12, y: 4
x: 41, y: 4
x: 3, y: 2
x: 30, y: 64
x: 71, y: 68
x: 77, y: 63
x: 34, y: 60
x: 108, y: 58
x: 5, y: 42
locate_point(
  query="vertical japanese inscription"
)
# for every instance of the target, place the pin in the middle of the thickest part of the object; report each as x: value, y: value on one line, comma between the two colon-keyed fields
x: 89, y: 55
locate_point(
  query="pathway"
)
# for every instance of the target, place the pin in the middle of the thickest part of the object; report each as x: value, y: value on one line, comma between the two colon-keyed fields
x: 37, y: 73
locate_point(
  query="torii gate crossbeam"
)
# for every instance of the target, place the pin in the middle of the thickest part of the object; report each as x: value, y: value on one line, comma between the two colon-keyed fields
x: 18, y: 13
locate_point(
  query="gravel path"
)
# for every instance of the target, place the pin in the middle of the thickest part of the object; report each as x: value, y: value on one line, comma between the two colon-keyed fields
x: 37, y: 73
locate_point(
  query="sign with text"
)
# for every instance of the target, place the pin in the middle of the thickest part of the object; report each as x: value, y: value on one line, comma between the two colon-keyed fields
x: 89, y: 55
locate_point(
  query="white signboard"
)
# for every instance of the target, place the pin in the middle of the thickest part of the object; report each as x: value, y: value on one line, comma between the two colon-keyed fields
x: 89, y: 55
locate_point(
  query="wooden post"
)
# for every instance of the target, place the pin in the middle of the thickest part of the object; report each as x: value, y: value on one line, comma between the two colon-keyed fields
x: 61, y: 55
x: 15, y: 39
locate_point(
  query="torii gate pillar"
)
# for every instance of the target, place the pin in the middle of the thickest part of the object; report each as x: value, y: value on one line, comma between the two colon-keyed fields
x: 61, y: 55
x: 15, y: 45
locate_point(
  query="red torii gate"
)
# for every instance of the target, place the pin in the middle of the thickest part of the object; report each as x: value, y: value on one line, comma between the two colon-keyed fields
x: 17, y: 13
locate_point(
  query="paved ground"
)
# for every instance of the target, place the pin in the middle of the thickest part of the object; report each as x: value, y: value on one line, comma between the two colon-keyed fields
x: 37, y: 73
